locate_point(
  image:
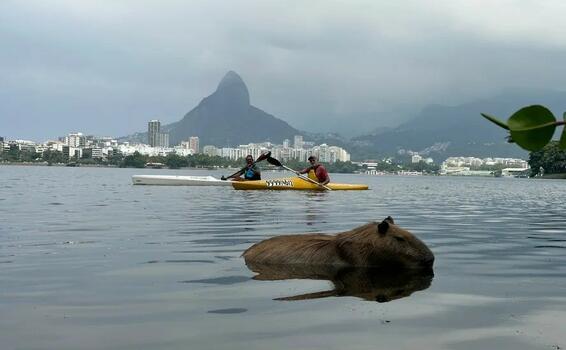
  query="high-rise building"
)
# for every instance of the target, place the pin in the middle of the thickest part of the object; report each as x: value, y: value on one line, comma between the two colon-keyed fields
x: 153, y: 129
x: 193, y: 144
x: 162, y: 140
x: 298, y: 141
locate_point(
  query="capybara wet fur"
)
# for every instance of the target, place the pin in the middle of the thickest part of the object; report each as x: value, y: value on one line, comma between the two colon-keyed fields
x: 371, y: 245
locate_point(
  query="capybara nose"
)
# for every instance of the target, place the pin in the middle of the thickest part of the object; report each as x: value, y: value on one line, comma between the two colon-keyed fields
x: 428, y: 261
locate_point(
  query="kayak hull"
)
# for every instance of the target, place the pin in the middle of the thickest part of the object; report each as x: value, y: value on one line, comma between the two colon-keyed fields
x: 293, y: 183
x: 171, y: 180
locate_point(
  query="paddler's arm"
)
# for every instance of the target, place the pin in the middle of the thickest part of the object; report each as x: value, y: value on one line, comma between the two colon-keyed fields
x: 321, y: 171
x: 304, y: 171
x: 240, y: 172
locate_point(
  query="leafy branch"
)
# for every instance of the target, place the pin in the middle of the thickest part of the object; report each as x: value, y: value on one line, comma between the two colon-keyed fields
x: 532, y: 127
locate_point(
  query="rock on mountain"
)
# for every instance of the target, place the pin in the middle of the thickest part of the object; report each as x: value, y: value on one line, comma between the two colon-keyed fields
x: 226, y: 118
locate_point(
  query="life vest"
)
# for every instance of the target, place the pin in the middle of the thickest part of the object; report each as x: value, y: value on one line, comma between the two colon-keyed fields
x: 312, y: 174
x: 249, y: 174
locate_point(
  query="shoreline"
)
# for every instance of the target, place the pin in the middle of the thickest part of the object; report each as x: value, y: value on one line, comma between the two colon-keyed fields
x: 561, y: 176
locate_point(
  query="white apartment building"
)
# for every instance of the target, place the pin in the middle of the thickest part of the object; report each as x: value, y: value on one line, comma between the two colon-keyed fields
x: 477, y: 162
x: 183, y: 152
x: 211, y: 151
x: 298, y: 142
x: 162, y: 140
x: 324, y: 153
x: 75, y: 140
x: 232, y: 153
x: 97, y: 153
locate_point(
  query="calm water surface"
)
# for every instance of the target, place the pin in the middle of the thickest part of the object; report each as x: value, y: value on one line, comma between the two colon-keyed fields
x: 89, y: 261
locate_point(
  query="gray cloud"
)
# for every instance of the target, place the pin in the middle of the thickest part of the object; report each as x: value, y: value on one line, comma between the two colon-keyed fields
x: 106, y: 67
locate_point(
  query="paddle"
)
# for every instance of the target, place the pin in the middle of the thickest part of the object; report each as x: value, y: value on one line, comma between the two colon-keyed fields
x: 259, y: 159
x: 278, y: 163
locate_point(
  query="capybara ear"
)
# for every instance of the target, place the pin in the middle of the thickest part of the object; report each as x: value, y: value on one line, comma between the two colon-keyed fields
x: 383, y: 227
x: 389, y: 219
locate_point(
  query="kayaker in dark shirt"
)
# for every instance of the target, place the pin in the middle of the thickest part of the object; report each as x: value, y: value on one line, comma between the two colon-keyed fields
x: 250, y: 172
x: 316, y: 172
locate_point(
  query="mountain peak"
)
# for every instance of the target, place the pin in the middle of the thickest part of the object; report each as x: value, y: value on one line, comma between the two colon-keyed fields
x: 231, y: 78
x: 233, y: 88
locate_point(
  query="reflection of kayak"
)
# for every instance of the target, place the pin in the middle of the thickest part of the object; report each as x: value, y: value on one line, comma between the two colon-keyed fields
x: 172, y: 180
x: 292, y: 183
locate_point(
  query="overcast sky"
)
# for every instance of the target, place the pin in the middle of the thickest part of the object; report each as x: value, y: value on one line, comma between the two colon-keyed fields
x: 107, y: 67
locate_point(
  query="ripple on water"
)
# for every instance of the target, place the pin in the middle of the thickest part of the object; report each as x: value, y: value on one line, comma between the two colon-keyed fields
x: 220, y: 280
x: 234, y: 310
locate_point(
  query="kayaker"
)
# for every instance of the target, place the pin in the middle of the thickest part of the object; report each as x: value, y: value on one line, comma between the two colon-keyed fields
x: 316, y: 171
x: 251, y: 171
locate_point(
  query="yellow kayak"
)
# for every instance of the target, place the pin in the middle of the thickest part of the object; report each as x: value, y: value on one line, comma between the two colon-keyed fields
x: 292, y: 183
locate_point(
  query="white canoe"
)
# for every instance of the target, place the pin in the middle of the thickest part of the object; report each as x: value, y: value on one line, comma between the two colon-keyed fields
x: 171, y: 180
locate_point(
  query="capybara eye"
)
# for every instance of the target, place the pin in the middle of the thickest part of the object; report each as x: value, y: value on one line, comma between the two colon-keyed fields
x: 400, y: 239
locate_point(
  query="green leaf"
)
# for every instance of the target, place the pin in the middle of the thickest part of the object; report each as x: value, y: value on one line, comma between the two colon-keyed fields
x: 495, y: 120
x: 532, y: 127
x: 562, y: 143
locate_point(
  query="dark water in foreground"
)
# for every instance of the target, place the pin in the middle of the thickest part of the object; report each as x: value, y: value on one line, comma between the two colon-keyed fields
x: 88, y: 261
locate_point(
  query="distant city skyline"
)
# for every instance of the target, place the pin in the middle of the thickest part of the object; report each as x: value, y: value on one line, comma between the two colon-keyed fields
x: 76, y: 144
x: 99, y: 147
x: 346, y: 67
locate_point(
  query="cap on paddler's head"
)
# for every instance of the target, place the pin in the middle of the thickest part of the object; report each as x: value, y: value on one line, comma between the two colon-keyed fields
x: 312, y: 158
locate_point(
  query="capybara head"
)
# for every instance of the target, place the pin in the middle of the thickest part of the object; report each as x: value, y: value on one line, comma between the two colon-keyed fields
x: 383, y: 244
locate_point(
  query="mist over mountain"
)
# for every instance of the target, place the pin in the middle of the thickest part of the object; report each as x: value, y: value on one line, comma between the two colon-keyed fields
x: 444, y: 131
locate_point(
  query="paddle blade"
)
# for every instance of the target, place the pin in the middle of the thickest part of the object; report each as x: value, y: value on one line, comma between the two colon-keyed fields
x: 263, y: 156
x: 274, y: 161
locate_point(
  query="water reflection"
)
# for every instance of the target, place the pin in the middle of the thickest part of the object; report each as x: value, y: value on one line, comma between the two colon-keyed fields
x: 372, y: 284
x: 313, y: 206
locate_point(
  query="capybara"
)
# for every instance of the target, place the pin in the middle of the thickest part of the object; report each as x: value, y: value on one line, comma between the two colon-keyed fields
x: 373, y: 284
x: 370, y: 245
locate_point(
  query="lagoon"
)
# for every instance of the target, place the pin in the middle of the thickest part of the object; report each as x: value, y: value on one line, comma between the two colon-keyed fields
x: 89, y: 261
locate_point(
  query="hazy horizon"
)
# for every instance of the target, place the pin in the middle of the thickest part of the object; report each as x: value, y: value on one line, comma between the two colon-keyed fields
x: 106, y: 68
